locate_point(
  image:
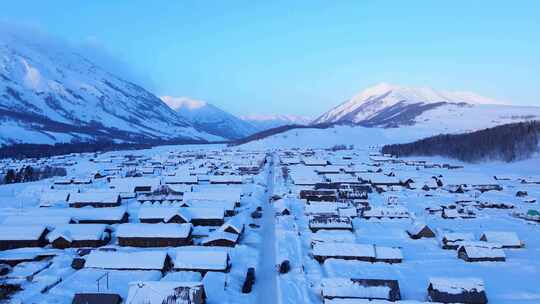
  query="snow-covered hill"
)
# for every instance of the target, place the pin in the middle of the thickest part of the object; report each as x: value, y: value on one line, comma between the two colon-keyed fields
x: 265, y: 122
x: 49, y: 94
x: 387, y: 105
x: 209, y: 118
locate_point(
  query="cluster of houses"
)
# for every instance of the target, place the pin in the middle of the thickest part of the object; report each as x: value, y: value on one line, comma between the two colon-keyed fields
x: 169, y: 223
x: 333, y: 198
x: 185, y: 227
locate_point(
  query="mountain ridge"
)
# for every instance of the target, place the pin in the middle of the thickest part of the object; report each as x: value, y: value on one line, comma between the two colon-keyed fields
x: 60, y: 96
x: 209, y: 118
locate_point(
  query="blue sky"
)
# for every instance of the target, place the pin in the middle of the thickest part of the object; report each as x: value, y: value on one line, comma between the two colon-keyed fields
x: 304, y: 57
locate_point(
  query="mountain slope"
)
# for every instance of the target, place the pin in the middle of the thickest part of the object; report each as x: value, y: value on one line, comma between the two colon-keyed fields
x: 49, y: 94
x: 386, y: 105
x: 265, y: 122
x: 209, y: 118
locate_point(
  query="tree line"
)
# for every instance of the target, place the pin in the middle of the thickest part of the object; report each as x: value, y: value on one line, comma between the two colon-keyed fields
x: 31, y: 174
x: 508, y: 143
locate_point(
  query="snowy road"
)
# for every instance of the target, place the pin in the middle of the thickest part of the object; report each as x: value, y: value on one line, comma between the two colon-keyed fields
x: 266, y: 277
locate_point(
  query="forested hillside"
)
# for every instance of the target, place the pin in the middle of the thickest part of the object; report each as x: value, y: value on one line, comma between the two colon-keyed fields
x: 508, y: 143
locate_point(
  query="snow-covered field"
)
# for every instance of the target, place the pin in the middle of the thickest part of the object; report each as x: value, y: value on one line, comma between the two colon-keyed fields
x: 454, y: 200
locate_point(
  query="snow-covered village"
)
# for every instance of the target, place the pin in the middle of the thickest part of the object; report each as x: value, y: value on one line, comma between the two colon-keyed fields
x: 185, y: 224
x: 269, y: 152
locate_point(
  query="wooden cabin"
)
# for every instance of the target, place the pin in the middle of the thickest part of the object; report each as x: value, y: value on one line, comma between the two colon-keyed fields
x: 12, y: 237
x: 457, y: 290
x: 221, y: 238
x: 96, y: 298
x: 452, y: 240
x: 154, y: 235
x: 420, y: 230
x: 234, y: 225
x: 331, y: 222
x: 361, y: 289
x: 182, y: 180
x: 343, y: 251
x: 206, y: 216
x: 159, y: 292
x: 153, y: 215
x: 481, y: 253
x: 505, y: 239
x: 226, y: 179
x: 389, y: 212
x: 390, y: 255
x: 319, y: 195
x: 78, y: 235
x: 94, y: 199
x: 133, y: 260
x: 108, y: 216
x: 201, y: 259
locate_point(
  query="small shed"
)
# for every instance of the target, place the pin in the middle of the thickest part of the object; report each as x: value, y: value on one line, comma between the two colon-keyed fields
x: 420, y: 230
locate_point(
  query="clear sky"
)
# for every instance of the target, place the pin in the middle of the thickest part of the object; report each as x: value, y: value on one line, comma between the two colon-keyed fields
x: 304, y: 57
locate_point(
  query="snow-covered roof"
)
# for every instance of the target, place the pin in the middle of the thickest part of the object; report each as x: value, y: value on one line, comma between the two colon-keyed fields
x: 388, y: 252
x: 160, y: 230
x: 130, y: 183
x: 50, y: 221
x: 236, y: 223
x: 158, y: 292
x: 54, y: 196
x: 220, y: 235
x: 76, y: 232
x: 94, y: 197
x: 503, y: 238
x: 112, y: 214
x: 416, y: 228
x: 336, y: 236
x: 181, y: 179
x: 343, y: 250
x: 226, y: 179
x: 457, y: 236
x: 483, y: 251
x: 143, y: 260
x: 164, y: 213
x: 196, y: 257
x: 457, y: 285
x: 346, y: 288
x: 205, y: 213
x: 21, y: 232
x: 327, y: 208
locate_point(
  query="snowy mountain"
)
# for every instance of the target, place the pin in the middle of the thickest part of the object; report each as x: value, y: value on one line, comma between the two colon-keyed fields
x: 49, y: 94
x: 387, y: 105
x: 209, y: 118
x: 264, y: 122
